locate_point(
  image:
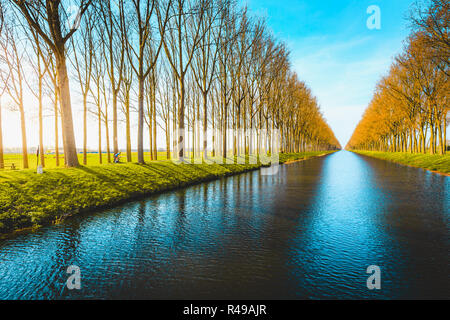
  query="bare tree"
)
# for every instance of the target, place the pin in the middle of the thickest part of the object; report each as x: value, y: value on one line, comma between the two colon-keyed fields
x: 40, y: 63
x: 180, y: 46
x: 125, y: 97
x: 47, y: 19
x: 140, y: 14
x: 433, y: 22
x: 165, y: 94
x: 206, y: 57
x: 99, y: 94
x: 114, y: 45
x: 150, y: 114
x: 12, y: 56
x: 226, y: 44
x: 82, y: 60
x: 54, y: 94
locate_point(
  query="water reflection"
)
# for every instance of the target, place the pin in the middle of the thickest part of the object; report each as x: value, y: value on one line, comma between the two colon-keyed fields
x: 343, y: 233
x: 308, y: 232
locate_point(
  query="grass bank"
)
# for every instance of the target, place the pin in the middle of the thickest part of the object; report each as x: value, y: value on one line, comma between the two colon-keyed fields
x: 93, y: 159
x: 435, y: 163
x: 29, y: 200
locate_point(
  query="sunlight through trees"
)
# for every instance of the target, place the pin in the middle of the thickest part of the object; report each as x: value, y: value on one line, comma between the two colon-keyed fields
x: 203, y: 71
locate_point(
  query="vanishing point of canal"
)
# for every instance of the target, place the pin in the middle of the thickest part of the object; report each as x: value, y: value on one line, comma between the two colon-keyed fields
x: 309, y: 232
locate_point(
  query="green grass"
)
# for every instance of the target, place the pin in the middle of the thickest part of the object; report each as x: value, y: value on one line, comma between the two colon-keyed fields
x: 426, y: 161
x: 92, y: 159
x: 287, y: 157
x: 30, y: 200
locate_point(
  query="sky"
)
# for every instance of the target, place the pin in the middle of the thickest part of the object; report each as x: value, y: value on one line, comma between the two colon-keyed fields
x: 334, y: 51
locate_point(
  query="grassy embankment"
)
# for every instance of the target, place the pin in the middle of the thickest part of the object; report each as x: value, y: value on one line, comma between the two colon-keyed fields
x: 435, y: 163
x: 92, y: 159
x: 30, y: 200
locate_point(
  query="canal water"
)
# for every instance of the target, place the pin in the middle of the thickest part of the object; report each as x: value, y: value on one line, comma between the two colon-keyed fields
x: 309, y: 232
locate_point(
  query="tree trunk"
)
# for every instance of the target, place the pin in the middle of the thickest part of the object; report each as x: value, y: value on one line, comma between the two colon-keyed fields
x: 155, y: 145
x: 411, y: 145
x: 422, y: 141
x: 445, y: 133
x: 213, y: 144
x: 24, y: 136
x: 41, y: 129
x: 181, y: 133
x: 85, y: 128
x: 416, y: 149
x: 205, y: 125
x: 128, y: 131
x: 70, y: 149
x: 150, y: 139
x: 193, y: 130
x: 432, y: 141
x: 441, y: 141
x: 115, y: 143
x: 149, y: 101
x: 56, y: 127
x: 174, y: 128
x: 100, y: 158
x: 224, y: 128
x: 140, y: 144
x: 168, y: 136
x: 108, y: 149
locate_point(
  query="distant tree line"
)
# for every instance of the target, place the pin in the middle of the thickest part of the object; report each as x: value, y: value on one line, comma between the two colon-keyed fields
x: 410, y: 108
x: 192, y: 68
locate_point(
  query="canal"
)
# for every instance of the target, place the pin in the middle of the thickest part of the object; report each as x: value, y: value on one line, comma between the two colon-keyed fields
x: 308, y: 232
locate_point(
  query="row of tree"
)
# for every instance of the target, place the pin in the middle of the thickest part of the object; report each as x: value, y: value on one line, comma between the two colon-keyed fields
x: 196, y: 70
x: 410, y: 108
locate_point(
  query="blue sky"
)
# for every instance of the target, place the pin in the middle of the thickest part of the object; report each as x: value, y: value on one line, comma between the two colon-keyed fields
x: 334, y: 52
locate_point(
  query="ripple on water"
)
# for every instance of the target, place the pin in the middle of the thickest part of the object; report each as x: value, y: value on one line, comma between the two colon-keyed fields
x: 309, y: 232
